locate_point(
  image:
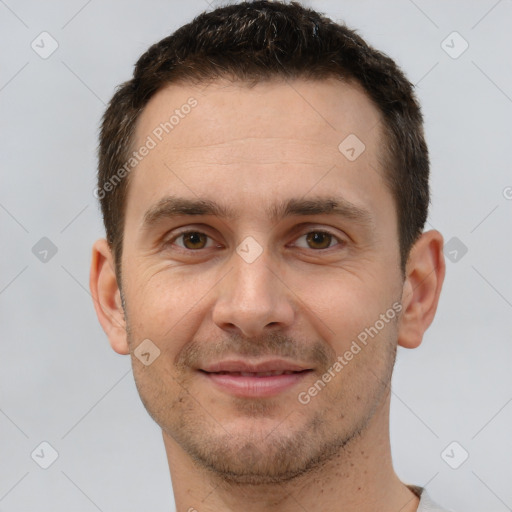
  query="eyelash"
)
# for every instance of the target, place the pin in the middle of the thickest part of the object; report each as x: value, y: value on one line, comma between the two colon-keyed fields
x: 171, y: 241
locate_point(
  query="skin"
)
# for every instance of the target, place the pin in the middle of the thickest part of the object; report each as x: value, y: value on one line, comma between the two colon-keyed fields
x: 304, y: 299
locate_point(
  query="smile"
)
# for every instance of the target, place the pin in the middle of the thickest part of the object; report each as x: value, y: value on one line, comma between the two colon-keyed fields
x: 255, y: 384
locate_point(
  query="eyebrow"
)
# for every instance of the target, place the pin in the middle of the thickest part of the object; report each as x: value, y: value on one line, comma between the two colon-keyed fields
x: 173, y: 206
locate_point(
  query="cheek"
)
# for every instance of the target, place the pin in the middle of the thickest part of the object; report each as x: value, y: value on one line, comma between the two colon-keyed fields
x: 158, y: 390
x: 342, y: 303
x: 162, y: 300
x: 346, y: 311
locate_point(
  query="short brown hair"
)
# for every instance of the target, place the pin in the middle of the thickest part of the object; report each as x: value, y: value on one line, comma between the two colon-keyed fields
x: 258, y: 41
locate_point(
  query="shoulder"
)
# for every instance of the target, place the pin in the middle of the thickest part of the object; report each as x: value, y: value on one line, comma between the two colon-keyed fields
x: 426, y: 504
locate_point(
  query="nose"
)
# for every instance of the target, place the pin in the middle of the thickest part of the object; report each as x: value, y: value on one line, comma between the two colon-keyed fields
x: 253, y: 298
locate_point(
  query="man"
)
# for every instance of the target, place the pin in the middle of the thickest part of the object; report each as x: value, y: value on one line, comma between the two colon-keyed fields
x: 263, y: 179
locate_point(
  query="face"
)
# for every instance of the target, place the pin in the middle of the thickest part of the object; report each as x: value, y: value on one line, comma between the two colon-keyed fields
x: 253, y: 244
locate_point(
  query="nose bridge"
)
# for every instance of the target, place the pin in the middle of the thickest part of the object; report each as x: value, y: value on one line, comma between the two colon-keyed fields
x: 251, y: 297
x: 252, y: 281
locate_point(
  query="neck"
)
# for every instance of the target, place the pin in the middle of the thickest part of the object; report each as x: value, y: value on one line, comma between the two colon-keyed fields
x: 360, y: 478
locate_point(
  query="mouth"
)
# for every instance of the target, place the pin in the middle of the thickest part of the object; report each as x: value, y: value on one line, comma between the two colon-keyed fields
x: 257, y: 374
x: 262, y: 380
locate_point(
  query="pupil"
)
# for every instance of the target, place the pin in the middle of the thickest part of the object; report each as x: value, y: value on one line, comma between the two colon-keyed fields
x: 322, y: 239
x: 194, y: 238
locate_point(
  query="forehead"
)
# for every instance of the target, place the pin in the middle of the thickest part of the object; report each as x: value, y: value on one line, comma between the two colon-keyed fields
x: 299, y: 109
x: 240, y: 144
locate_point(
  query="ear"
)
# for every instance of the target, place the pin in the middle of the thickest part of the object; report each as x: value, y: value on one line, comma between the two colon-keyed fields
x: 107, y: 296
x: 425, y: 271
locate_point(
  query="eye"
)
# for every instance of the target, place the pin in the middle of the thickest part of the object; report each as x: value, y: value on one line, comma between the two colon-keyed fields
x: 317, y: 240
x: 192, y: 240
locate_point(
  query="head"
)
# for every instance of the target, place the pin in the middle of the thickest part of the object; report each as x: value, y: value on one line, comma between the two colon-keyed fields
x: 263, y: 180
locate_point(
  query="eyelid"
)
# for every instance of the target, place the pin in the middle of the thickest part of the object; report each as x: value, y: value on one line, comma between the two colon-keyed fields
x: 312, y: 229
x: 171, y: 240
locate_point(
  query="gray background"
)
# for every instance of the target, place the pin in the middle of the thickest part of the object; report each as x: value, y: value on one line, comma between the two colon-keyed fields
x: 59, y: 380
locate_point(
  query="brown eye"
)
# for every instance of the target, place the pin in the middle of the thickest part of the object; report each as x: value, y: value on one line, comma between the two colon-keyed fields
x: 194, y: 240
x: 319, y: 240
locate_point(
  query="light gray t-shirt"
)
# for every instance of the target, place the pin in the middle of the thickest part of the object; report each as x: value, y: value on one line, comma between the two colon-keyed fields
x: 426, y: 504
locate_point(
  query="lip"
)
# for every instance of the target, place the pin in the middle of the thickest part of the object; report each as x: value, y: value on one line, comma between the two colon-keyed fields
x: 246, y: 386
x: 269, y: 365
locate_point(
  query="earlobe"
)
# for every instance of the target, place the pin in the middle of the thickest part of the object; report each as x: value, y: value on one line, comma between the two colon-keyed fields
x: 107, y: 297
x: 424, y: 278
